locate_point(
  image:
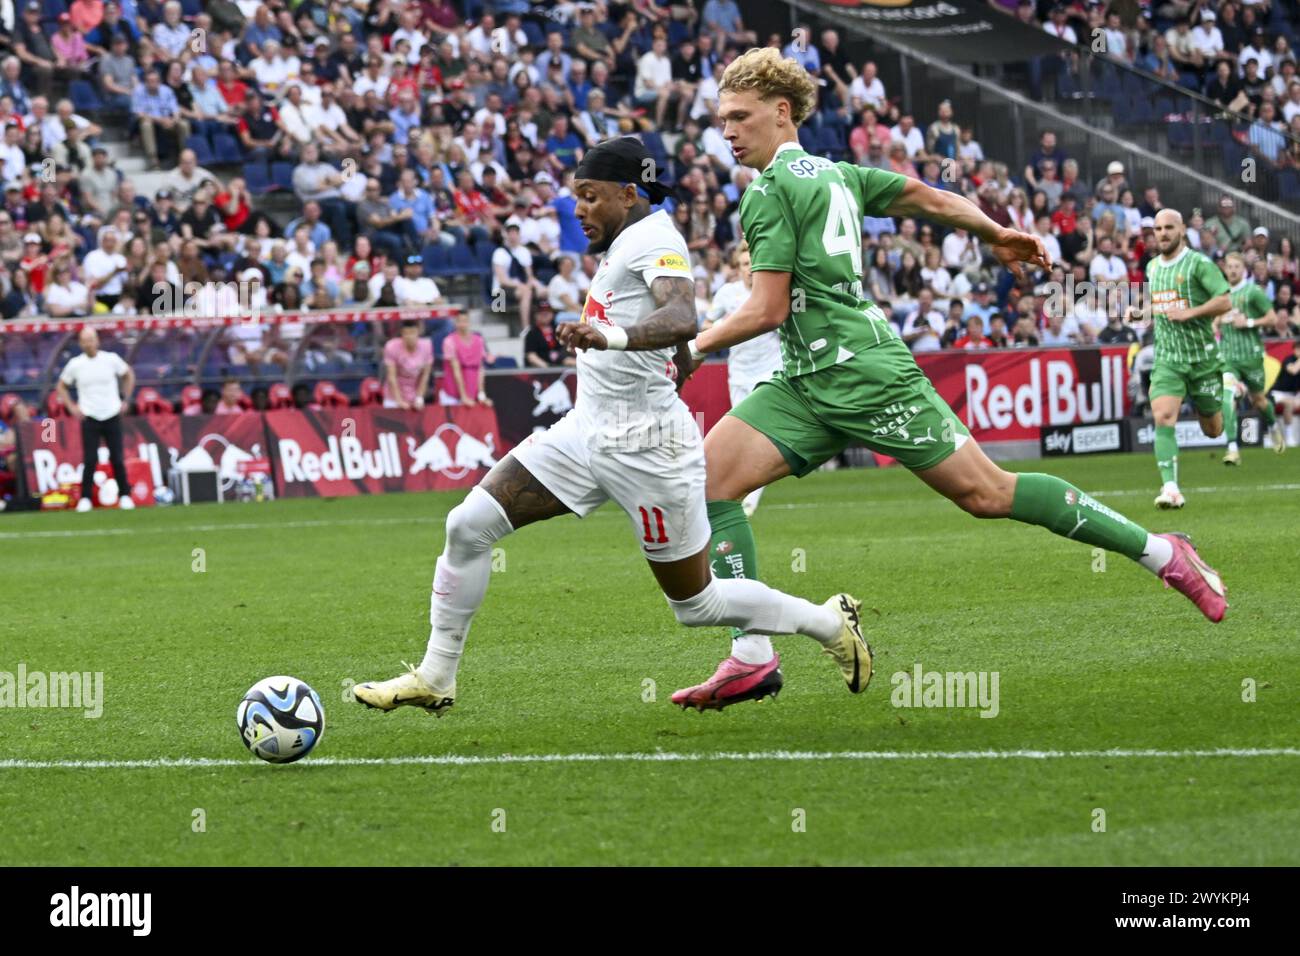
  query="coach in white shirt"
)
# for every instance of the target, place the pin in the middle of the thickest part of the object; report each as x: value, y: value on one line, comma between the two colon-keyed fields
x: 104, y: 383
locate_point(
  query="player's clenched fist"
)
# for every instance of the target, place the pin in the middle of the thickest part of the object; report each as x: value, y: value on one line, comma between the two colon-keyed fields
x: 579, y: 335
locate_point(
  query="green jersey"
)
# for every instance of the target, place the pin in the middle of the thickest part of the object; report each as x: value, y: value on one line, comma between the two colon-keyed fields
x: 803, y: 216
x: 1187, y: 280
x: 1244, y: 345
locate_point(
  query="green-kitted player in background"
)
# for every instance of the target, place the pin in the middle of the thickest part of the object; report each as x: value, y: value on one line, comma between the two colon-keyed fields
x: 1243, y: 355
x: 1187, y: 291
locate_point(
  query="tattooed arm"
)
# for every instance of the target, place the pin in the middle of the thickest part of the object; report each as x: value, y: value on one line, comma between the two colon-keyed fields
x: 671, y: 323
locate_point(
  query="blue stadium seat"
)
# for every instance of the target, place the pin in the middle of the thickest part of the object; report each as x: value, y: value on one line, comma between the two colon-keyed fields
x: 464, y: 261
x: 84, y: 98
x: 50, y: 10
x: 534, y: 33
x: 202, y: 151
x: 1288, y: 183
x: 503, y: 361
x: 808, y: 139
x: 1180, y: 136
x: 654, y: 143
x: 226, y: 150
x: 282, y: 175
x: 258, y: 178
x: 437, y: 260
x: 191, y: 8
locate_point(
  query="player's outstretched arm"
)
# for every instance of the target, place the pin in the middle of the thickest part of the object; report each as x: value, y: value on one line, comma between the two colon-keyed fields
x: 951, y: 209
x: 671, y: 323
x: 766, y: 308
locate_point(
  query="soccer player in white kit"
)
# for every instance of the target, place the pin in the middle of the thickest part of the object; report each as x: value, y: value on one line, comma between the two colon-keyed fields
x: 630, y: 439
x: 752, y: 361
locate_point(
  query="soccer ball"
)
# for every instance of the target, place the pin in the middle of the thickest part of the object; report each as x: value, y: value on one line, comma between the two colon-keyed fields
x: 280, y: 719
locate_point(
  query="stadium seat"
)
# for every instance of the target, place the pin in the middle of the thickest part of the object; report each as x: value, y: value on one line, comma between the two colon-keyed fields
x: 202, y: 151
x: 504, y: 361
x: 257, y: 176
x: 372, y: 393
x: 1180, y: 136
x: 53, y: 407
x: 149, y: 401
x: 279, y: 396
x: 84, y: 97
x: 327, y: 395
x: 654, y: 143
x: 464, y: 262
x: 191, y: 9
x: 226, y: 150
x: 1288, y: 184
x: 191, y: 395
x: 282, y: 175
x: 8, y: 402
x: 808, y: 139
x: 437, y: 260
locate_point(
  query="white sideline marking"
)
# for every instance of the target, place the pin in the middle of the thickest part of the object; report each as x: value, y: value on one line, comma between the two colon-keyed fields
x: 432, y: 519
x: 167, y: 763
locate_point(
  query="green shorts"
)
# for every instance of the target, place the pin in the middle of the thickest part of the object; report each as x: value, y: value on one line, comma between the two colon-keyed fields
x: 1250, y: 371
x: 1203, y: 381
x: 881, y: 399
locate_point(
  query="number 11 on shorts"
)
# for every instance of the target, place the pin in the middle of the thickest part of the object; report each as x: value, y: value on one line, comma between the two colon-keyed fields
x: 659, y: 526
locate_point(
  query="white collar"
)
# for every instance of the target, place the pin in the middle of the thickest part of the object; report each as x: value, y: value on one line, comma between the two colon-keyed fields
x: 788, y: 144
x: 1240, y: 285
x: 1169, y: 262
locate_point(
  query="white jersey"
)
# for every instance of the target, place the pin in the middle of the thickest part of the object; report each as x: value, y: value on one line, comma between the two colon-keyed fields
x: 623, y: 394
x: 749, y: 362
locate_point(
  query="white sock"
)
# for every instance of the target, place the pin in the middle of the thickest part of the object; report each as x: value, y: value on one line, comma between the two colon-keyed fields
x: 752, y: 648
x: 752, y: 606
x: 1232, y: 446
x: 460, y: 581
x: 1156, y: 554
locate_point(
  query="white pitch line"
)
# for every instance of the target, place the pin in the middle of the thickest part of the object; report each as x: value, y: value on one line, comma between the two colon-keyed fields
x: 463, y: 760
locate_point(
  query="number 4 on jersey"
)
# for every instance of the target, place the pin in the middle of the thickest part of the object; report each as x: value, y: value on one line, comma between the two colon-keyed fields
x: 843, y: 232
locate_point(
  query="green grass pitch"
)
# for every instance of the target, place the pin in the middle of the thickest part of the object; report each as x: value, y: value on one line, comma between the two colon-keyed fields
x: 573, y: 639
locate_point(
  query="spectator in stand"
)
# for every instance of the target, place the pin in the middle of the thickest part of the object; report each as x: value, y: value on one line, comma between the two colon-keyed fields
x: 464, y: 354
x: 105, y: 270
x: 155, y: 107
x: 542, y: 349
x: 314, y: 179
x: 1231, y: 231
x: 512, y: 273
x: 104, y: 384
x: 974, y: 338
x: 413, y: 288
x: 924, y: 325
x: 563, y: 292
x: 1117, y: 331
x: 722, y: 19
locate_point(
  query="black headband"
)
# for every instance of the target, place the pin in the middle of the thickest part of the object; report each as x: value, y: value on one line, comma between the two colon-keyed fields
x: 624, y: 161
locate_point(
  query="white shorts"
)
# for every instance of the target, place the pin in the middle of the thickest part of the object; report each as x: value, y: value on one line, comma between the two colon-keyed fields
x: 660, y: 488
x: 739, y: 390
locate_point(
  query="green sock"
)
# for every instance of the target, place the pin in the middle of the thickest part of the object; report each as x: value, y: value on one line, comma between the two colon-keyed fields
x: 732, y: 552
x: 1167, y: 453
x: 1267, y: 413
x: 1230, y: 413
x: 1063, y: 509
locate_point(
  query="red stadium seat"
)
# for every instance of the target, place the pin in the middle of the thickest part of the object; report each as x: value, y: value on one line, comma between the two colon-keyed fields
x: 245, y: 403
x: 8, y: 402
x: 53, y: 407
x: 191, y: 395
x: 148, y: 401
x: 327, y: 394
x: 372, y: 393
x: 280, y: 396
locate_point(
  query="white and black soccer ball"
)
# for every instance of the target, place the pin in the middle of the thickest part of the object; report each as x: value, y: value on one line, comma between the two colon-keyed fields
x: 280, y: 719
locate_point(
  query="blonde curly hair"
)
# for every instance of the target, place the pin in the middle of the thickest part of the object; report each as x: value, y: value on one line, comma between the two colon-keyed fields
x: 770, y: 75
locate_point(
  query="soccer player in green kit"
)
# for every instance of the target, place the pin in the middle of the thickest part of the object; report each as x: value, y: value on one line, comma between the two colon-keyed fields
x: 847, y: 375
x: 1187, y: 291
x: 1243, y: 354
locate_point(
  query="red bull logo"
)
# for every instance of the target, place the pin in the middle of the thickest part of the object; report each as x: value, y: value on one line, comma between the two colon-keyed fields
x: 594, y: 312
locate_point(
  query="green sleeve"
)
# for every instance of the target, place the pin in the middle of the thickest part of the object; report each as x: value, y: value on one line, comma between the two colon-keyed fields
x: 1258, y: 302
x: 769, y: 229
x: 1210, y: 279
x: 875, y: 188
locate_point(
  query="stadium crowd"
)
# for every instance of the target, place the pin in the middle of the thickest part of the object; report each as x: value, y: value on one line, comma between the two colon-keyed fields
x: 331, y: 154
